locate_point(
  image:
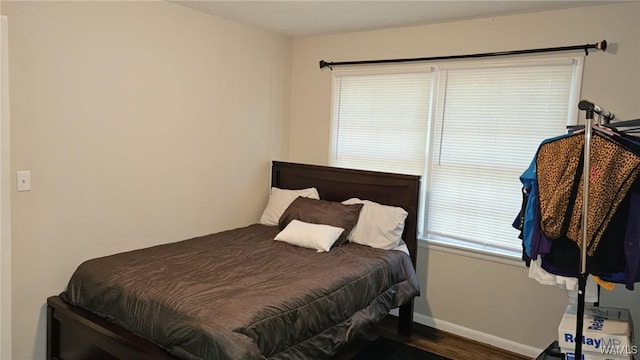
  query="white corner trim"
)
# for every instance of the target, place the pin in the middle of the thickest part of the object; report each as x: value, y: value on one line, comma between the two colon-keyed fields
x: 475, y: 335
x: 5, y: 205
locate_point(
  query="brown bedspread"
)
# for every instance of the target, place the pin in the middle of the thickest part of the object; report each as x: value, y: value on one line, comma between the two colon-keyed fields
x: 240, y: 295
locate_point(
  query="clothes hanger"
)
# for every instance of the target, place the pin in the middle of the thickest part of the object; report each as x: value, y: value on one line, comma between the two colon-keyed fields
x: 579, y: 129
x: 605, y: 129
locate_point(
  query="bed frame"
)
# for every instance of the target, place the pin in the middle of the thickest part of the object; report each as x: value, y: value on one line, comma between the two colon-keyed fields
x: 74, y: 333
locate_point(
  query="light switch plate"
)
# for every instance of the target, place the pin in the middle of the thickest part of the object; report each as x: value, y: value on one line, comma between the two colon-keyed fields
x: 23, y: 180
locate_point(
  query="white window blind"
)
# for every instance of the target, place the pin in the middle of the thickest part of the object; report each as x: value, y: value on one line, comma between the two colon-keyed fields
x: 380, y: 121
x: 488, y: 126
x: 470, y: 129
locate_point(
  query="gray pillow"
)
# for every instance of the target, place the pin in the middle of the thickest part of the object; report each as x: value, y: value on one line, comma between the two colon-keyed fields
x: 322, y: 212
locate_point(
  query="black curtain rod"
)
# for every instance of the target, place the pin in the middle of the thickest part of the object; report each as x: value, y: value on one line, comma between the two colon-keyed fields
x: 602, y: 45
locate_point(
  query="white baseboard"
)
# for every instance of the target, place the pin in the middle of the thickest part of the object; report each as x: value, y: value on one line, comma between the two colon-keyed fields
x: 476, y: 335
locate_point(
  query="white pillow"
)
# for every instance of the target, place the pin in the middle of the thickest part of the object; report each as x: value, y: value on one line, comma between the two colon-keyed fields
x: 279, y: 201
x: 313, y: 236
x: 379, y: 226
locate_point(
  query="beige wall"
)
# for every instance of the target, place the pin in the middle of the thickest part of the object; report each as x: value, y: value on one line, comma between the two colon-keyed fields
x: 146, y: 122
x: 141, y: 123
x: 492, y: 301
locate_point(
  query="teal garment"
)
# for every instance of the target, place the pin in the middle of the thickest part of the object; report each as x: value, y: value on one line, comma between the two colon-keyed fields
x: 531, y: 226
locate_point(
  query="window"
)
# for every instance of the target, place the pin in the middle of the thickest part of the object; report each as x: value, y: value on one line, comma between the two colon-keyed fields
x: 469, y: 129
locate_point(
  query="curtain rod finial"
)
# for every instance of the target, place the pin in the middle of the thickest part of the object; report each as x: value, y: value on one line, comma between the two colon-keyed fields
x: 602, y: 45
x: 324, y: 64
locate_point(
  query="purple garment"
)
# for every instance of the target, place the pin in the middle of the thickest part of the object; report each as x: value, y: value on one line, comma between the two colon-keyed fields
x: 540, y: 244
x: 631, y: 274
x: 565, y: 249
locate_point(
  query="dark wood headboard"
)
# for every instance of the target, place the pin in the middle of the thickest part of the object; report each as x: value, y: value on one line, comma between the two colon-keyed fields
x: 338, y: 184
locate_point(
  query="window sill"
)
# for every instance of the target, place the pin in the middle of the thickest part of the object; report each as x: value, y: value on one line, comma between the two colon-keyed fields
x: 474, y: 251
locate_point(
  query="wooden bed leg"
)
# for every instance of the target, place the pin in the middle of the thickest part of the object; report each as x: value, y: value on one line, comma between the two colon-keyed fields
x: 405, y: 319
x: 53, y: 333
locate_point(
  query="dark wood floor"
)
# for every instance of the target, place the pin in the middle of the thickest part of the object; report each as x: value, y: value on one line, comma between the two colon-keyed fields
x: 435, y: 341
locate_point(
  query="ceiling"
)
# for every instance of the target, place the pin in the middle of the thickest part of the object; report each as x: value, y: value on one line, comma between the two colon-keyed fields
x: 308, y: 17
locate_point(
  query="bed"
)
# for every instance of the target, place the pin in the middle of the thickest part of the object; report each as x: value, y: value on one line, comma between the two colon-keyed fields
x: 280, y: 313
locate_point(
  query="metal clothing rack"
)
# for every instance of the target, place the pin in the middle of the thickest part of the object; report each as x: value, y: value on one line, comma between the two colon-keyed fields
x: 603, y: 115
